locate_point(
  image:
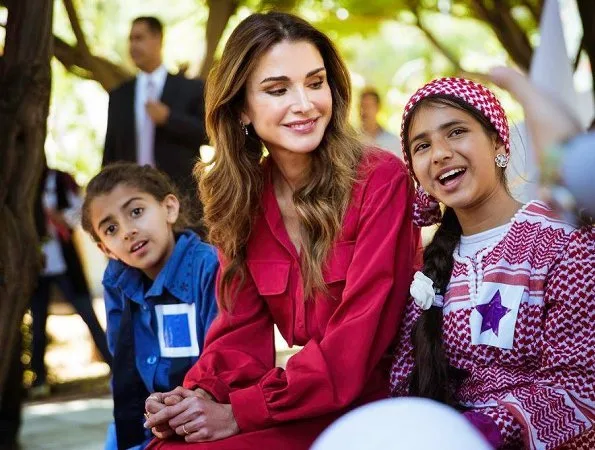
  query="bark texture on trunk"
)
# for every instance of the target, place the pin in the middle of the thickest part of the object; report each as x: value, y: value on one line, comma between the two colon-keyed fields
x: 25, y: 81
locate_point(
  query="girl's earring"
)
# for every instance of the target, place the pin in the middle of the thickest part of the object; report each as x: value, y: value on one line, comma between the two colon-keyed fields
x: 244, y: 128
x: 501, y: 160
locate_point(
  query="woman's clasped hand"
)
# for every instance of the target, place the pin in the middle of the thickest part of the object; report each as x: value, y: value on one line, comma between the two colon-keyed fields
x: 192, y: 414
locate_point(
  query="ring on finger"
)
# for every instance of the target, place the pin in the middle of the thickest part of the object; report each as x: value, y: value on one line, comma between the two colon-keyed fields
x: 147, y: 415
x: 186, y: 432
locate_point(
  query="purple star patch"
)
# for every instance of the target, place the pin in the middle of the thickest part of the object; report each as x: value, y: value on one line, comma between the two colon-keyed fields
x: 492, y: 313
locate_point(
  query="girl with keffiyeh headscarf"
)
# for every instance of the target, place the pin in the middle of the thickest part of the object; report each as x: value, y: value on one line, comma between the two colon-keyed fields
x: 501, y: 317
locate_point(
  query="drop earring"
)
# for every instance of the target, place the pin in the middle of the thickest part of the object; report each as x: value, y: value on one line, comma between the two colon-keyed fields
x: 501, y: 160
x: 244, y: 128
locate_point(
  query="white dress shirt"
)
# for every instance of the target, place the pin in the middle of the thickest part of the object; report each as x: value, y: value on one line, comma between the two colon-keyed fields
x: 149, y: 86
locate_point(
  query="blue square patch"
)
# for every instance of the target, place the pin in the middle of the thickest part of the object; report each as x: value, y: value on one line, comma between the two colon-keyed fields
x: 176, y: 331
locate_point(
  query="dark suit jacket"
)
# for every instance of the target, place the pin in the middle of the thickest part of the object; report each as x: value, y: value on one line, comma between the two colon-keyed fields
x: 177, y: 142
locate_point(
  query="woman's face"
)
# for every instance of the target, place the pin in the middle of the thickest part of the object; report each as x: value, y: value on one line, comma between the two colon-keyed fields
x: 453, y: 157
x: 288, y: 99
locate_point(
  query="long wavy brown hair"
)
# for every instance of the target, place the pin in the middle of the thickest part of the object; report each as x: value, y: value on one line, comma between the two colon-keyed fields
x: 231, y: 184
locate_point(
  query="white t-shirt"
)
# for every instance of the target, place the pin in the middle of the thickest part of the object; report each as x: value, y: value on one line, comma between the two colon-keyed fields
x: 145, y: 129
x: 470, y: 245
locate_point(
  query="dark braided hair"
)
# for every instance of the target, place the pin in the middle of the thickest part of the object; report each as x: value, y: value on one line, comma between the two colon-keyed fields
x: 432, y: 375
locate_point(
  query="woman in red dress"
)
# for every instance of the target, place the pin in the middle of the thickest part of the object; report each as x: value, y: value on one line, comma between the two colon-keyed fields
x: 316, y: 238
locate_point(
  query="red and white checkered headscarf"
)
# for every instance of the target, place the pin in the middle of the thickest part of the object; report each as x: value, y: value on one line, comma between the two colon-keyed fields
x: 426, y: 209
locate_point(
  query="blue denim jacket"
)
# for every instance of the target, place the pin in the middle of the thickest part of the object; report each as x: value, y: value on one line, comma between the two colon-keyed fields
x: 188, y: 278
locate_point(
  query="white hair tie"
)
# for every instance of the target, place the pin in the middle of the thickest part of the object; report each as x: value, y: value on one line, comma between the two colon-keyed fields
x: 423, y: 293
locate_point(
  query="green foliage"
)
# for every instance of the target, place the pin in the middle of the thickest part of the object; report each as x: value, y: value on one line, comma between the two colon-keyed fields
x: 378, y: 38
x: 76, y: 124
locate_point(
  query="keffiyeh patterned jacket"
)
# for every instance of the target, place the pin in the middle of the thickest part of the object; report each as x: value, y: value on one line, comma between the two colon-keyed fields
x: 541, y: 391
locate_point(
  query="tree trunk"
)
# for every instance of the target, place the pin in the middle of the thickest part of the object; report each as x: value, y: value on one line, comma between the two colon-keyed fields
x: 24, y: 102
x: 220, y: 12
x: 586, y: 9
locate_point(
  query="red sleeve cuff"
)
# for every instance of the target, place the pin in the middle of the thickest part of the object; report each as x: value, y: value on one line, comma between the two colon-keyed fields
x: 214, y: 386
x: 250, y: 409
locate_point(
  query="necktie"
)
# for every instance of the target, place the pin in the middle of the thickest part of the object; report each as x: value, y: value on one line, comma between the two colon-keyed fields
x: 147, y: 135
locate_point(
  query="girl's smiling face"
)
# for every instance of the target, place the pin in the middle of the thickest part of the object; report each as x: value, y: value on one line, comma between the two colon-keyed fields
x: 452, y: 155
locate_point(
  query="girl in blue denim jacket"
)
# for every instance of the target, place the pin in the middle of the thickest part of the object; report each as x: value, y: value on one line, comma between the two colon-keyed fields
x: 159, y: 289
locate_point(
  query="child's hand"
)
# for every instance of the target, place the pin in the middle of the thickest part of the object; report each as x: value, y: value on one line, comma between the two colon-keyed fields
x: 173, y: 397
x: 180, y: 393
x: 201, y: 393
x: 155, y: 403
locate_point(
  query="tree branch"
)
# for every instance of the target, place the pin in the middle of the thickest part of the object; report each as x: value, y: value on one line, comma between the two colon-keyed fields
x: 108, y: 74
x: 434, y: 40
x: 86, y: 65
x: 278, y: 5
x: 535, y: 10
x: 81, y: 42
x: 508, y: 31
x: 220, y: 11
x: 586, y: 10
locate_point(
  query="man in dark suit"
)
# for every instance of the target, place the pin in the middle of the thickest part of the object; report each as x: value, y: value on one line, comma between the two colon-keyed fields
x: 156, y: 118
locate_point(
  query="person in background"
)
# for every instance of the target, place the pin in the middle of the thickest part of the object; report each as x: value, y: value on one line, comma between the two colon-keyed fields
x: 158, y: 287
x: 317, y: 238
x: 156, y: 118
x: 565, y: 154
x: 500, y: 324
x: 57, y: 213
x: 371, y: 131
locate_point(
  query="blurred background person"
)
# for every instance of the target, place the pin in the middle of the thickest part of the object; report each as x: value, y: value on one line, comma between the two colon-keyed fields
x: 371, y: 131
x: 156, y: 118
x: 565, y: 155
x: 57, y: 213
